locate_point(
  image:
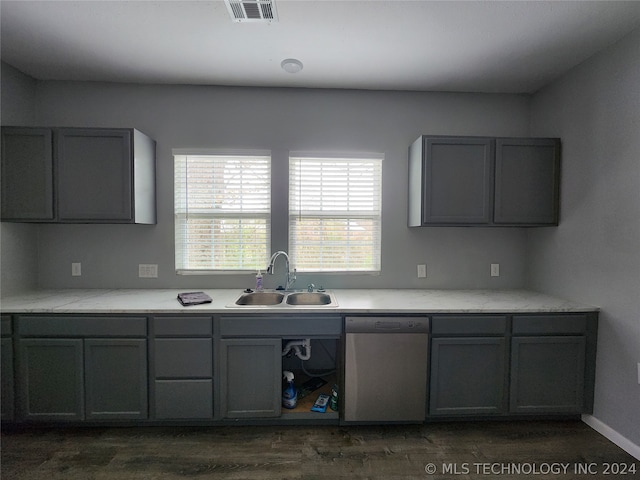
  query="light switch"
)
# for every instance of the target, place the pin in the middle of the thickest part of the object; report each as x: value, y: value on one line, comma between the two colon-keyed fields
x: 76, y: 269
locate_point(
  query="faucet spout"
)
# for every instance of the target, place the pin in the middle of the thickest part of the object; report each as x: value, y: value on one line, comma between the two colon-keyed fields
x: 291, y: 277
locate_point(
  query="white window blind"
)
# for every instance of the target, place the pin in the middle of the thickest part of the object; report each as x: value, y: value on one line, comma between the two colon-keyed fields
x: 335, y: 213
x: 222, y: 212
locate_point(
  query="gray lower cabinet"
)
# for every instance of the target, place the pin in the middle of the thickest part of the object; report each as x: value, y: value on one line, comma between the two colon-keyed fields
x: 182, y: 366
x: 7, y: 396
x: 547, y: 374
x: 250, y: 359
x: 76, y: 368
x: 51, y: 380
x: 115, y: 378
x: 7, y: 393
x: 250, y: 377
x: 552, y: 363
x: 468, y: 365
x: 76, y: 379
x: 482, y: 365
x: 467, y: 376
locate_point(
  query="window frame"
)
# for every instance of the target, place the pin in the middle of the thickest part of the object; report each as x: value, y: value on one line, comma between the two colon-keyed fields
x: 181, y: 266
x: 346, y: 214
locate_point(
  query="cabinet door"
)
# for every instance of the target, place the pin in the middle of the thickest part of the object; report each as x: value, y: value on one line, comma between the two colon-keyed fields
x: 527, y: 184
x: 50, y: 380
x: 457, y: 178
x: 94, y: 175
x: 547, y: 374
x: 116, y: 378
x: 251, y: 373
x: 467, y: 376
x: 27, y: 174
x: 7, y: 395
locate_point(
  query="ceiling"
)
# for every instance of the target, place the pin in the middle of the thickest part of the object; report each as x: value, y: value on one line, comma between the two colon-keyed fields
x: 481, y: 46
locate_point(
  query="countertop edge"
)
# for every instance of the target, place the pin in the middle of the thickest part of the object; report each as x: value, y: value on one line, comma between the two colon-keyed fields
x: 350, y: 301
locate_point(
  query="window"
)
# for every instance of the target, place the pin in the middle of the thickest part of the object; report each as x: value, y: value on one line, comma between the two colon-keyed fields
x: 335, y: 213
x: 222, y: 211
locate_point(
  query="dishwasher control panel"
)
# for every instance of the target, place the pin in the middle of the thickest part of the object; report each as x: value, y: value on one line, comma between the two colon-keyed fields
x: 386, y: 325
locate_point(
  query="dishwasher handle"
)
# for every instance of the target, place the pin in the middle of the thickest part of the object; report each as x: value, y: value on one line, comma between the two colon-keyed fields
x: 386, y: 325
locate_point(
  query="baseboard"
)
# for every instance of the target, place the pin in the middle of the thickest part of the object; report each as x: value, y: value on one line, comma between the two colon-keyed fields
x: 608, y: 432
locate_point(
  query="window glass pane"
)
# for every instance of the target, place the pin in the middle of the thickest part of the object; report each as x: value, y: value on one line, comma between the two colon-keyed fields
x: 335, y: 213
x: 222, y: 212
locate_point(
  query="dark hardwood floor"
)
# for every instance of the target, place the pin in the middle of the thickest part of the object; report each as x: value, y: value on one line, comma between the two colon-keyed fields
x: 541, y: 450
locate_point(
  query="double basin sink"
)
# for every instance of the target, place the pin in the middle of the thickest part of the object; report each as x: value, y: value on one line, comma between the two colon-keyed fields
x: 276, y: 298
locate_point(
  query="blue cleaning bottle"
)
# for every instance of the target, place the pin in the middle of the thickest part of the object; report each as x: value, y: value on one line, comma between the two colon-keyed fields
x: 290, y: 394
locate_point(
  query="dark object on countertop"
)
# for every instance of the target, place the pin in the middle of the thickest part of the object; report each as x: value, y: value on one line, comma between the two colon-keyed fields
x: 193, y: 298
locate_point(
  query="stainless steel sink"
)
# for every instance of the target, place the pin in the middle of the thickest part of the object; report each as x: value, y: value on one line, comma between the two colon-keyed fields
x: 309, y: 298
x: 260, y: 298
x: 282, y: 299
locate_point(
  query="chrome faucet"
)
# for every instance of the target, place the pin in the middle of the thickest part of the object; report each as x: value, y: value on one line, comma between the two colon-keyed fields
x: 291, y: 277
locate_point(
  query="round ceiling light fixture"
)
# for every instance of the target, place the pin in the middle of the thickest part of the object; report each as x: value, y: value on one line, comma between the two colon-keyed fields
x: 291, y: 65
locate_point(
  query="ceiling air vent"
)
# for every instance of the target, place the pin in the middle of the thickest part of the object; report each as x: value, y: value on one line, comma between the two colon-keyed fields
x: 252, y: 10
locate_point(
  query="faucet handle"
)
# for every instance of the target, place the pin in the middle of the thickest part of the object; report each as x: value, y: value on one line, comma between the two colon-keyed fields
x: 310, y: 287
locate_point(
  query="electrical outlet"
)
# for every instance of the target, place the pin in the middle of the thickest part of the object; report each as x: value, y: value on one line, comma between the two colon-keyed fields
x: 638, y: 373
x: 76, y: 269
x: 422, y: 271
x: 495, y: 269
x: 148, y: 270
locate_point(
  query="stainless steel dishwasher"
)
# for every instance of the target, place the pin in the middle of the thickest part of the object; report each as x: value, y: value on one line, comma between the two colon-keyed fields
x: 386, y: 369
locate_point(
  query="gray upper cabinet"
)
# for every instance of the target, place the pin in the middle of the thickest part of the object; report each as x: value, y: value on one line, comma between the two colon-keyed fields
x: 450, y: 181
x: 105, y: 175
x: 483, y: 181
x: 27, y: 174
x: 527, y: 181
x: 82, y: 175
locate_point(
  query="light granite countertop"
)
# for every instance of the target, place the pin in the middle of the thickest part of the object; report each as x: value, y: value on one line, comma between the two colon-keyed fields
x: 352, y: 301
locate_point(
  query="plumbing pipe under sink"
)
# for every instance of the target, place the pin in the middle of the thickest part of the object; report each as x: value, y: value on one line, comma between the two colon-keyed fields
x: 296, y: 345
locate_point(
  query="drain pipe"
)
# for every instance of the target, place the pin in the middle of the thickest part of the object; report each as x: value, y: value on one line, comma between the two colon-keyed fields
x: 295, y: 346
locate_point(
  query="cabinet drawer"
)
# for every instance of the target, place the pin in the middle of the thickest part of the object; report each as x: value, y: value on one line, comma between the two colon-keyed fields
x: 67, y: 326
x: 184, y: 399
x: 549, y: 324
x: 268, y: 326
x: 182, y: 326
x: 469, y: 325
x: 5, y: 328
x: 183, y: 357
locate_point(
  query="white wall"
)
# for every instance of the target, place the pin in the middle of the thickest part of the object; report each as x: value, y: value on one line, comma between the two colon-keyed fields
x: 594, y: 255
x: 279, y: 120
x: 18, y: 242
